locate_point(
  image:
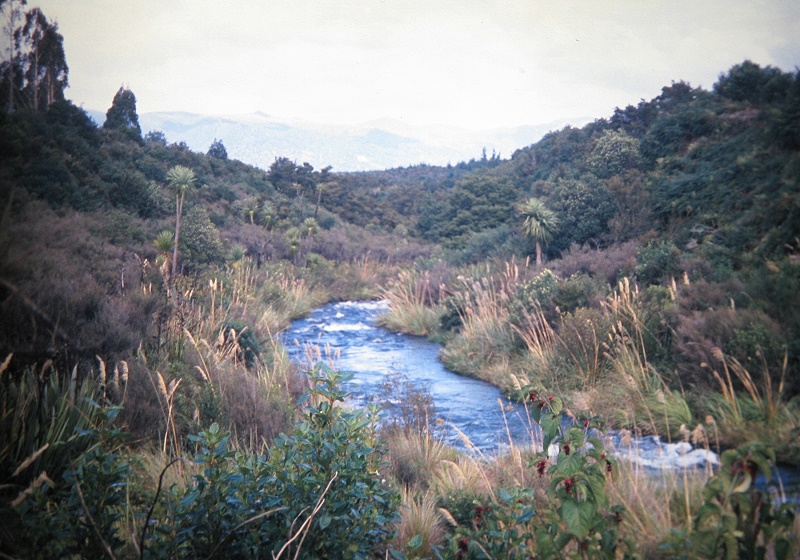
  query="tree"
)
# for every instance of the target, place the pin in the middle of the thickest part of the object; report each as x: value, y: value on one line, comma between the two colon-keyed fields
x: 201, y: 243
x: 122, y: 115
x: 266, y: 215
x: 45, y: 65
x: 749, y: 82
x: 310, y: 228
x: 217, y: 150
x: 11, y: 66
x: 540, y: 223
x: 584, y: 207
x: 180, y: 181
x: 165, y: 244
x: 156, y: 137
x: 613, y: 154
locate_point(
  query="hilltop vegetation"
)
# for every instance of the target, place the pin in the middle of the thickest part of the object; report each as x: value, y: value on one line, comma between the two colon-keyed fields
x: 646, y: 265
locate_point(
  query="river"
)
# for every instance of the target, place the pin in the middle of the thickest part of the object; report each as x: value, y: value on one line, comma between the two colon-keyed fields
x: 346, y: 331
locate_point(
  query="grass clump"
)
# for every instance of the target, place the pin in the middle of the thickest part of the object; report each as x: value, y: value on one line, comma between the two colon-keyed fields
x: 412, y: 309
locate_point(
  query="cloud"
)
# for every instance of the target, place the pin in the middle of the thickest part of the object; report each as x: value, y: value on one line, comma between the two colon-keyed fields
x: 477, y: 64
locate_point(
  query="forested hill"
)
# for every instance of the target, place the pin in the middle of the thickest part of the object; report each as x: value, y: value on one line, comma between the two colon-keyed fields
x: 717, y: 171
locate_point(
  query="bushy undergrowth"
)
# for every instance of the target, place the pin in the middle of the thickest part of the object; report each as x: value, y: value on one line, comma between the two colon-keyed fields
x: 315, y: 493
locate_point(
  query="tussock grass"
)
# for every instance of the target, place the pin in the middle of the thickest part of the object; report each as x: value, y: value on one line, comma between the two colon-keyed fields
x: 634, y: 393
x: 656, y: 505
x: 486, y: 344
x: 421, y: 516
x: 412, y: 309
x: 748, y: 410
x: 415, y: 458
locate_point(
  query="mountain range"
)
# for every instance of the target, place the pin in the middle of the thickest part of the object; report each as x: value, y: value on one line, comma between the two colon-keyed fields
x: 259, y: 138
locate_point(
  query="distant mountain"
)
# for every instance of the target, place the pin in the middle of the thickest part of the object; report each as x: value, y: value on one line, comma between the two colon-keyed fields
x: 258, y: 138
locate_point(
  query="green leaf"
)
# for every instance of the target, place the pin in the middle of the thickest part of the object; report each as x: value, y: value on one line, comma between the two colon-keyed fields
x: 415, y: 542
x: 577, y: 516
x: 324, y: 521
x: 556, y: 405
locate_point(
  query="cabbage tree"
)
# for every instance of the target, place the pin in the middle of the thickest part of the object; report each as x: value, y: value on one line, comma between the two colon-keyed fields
x: 180, y: 180
x: 539, y: 225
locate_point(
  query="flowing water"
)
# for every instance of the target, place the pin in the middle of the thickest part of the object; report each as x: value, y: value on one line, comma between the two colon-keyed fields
x: 472, y: 413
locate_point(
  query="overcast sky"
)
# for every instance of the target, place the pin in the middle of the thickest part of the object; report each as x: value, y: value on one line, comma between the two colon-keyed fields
x: 476, y: 64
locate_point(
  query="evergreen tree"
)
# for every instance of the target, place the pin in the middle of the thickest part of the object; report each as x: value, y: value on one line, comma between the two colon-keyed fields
x: 44, y: 66
x: 217, y: 150
x: 122, y: 115
x: 11, y: 66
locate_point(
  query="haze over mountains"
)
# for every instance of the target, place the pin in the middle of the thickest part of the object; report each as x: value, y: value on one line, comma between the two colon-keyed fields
x: 258, y: 138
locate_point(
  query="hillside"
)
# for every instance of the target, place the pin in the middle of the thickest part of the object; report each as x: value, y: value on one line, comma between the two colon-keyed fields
x: 258, y: 139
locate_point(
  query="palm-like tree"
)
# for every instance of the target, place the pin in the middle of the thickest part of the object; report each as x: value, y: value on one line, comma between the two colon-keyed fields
x: 165, y: 244
x: 309, y: 228
x: 540, y: 223
x: 266, y: 215
x: 180, y: 180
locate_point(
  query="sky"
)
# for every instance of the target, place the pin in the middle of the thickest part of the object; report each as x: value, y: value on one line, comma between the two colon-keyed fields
x: 475, y: 64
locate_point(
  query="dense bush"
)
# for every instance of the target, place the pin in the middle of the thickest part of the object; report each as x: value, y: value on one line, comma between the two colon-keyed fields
x: 316, y: 493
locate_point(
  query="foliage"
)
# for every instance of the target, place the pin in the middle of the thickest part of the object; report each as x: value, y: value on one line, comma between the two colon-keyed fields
x: 217, y: 150
x: 122, y: 117
x: 576, y: 521
x: 201, y: 243
x: 613, y: 154
x: 539, y: 223
x: 656, y: 260
x: 584, y: 207
x: 35, y: 72
x: 747, y: 81
x: 476, y: 204
x: 738, y: 520
x: 317, y: 492
x: 80, y: 514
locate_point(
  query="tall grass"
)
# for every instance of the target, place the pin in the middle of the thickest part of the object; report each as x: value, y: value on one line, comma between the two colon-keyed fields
x: 412, y: 305
x: 746, y: 410
x: 485, y: 343
x: 635, y: 393
x: 421, y: 518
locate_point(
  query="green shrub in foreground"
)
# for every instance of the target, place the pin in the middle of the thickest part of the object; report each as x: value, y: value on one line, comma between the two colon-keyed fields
x: 736, y: 519
x: 577, y: 520
x: 317, y: 491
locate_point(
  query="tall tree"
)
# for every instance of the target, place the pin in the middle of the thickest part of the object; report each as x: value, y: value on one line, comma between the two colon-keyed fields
x: 122, y: 114
x: 13, y: 13
x: 180, y: 181
x: 540, y: 223
x: 45, y: 64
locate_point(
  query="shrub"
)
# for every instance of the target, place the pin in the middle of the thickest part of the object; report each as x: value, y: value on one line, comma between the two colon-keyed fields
x: 576, y: 521
x: 657, y: 260
x: 738, y: 520
x: 80, y: 514
x: 318, y: 490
